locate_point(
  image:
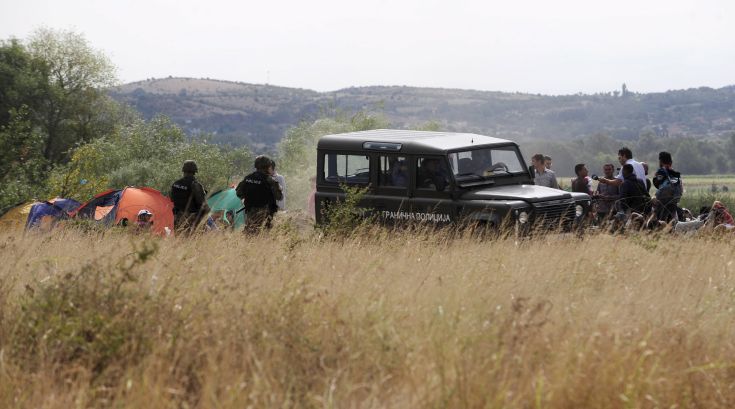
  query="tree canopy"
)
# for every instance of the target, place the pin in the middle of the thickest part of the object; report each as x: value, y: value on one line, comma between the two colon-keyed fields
x: 145, y: 153
x: 63, y: 135
x: 73, y: 109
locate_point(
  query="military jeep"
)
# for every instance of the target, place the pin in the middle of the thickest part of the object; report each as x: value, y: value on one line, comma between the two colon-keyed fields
x: 440, y: 178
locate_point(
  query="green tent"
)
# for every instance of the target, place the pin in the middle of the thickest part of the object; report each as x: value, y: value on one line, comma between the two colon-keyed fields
x: 226, y: 201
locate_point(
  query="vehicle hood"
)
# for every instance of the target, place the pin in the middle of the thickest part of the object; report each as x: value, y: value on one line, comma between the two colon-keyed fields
x: 528, y: 193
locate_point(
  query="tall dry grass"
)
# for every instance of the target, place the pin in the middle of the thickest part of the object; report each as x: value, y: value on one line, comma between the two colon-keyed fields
x: 382, y: 319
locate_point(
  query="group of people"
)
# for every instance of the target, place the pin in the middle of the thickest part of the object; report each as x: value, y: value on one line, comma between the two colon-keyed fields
x: 625, y: 198
x: 621, y: 199
x: 262, y: 193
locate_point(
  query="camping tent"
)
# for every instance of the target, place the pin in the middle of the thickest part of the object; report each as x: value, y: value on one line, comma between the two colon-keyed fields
x: 120, y: 206
x: 227, y: 201
x: 45, y: 214
x: 16, y: 216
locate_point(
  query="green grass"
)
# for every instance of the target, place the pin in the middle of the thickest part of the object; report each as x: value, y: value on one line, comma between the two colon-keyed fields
x: 699, y: 191
x: 705, y: 182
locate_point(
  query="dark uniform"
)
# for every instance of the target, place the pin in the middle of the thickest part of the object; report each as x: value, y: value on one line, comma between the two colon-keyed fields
x: 259, y: 193
x: 190, y: 203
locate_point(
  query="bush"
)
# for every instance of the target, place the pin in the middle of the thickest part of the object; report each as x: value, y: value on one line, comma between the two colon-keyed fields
x: 96, y: 318
x: 22, y: 167
x: 146, y: 154
x: 696, y: 200
x: 346, y: 218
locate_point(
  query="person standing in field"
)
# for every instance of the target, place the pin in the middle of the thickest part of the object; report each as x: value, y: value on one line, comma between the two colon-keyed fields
x: 669, y: 189
x: 648, y: 181
x: 606, y: 195
x: 548, y: 162
x: 189, y: 198
x: 260, y: 193
x: 633, y: 194
x: 625, y: 157
x: 311, y: 203
x: 543, y: 176
x: 582, y: 183
x: 282, y: 184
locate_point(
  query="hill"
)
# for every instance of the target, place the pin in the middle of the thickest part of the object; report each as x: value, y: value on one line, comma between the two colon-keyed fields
x: 258, y: 115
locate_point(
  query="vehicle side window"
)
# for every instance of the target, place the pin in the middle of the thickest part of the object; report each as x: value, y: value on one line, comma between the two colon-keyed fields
x: 349, y: 169
x: 393, y: 171
x: 432, y: 174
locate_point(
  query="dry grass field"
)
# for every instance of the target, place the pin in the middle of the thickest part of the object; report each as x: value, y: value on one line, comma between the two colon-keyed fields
x: 380, y: 319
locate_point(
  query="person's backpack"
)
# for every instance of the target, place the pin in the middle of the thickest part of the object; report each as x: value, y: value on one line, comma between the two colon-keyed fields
x: 670, y: 190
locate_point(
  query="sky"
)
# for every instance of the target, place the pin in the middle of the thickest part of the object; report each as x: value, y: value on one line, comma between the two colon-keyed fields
x: 548, y: 47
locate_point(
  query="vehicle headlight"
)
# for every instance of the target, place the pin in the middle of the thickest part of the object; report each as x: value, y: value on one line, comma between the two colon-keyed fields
x: 522, y: 217
x: 578, y: 210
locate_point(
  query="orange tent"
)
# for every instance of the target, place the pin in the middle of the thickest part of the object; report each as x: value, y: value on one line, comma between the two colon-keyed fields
x: 120, y: 207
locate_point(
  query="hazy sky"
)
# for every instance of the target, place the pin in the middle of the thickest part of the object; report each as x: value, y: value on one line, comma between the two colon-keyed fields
x: 551, y: 47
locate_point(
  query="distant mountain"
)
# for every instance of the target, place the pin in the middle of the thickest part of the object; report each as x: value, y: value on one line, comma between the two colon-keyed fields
x: 258, y: 115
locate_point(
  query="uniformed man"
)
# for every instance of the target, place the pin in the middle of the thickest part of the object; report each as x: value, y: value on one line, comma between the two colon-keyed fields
x: 260, y: 193
x: 189, y: 197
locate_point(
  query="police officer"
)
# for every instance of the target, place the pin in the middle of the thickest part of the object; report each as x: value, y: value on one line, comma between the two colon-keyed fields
x: 189, y: 197
x: 260, y: 193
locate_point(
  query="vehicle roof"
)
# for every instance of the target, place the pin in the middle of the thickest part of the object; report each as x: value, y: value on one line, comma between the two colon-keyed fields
x: 412, y: 142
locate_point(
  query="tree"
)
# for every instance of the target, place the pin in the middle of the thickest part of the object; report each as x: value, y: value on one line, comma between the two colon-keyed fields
x: 691, y: 160
x: 648, y: 145
x: 730, y: 149
x: 76, y: 79
x: 22, y: 173
x: 145, y: 154
x: 22, y: 80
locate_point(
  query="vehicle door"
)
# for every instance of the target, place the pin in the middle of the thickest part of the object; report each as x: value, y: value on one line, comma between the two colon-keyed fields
x: 353, y: 169
x: 431, y: 196
x: 391, y: 193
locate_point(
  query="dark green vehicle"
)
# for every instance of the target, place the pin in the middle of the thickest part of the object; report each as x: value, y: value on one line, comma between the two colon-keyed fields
x: 439, y: 178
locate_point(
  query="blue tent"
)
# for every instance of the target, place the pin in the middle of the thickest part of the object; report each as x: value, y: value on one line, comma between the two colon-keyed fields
x: 50, y: 212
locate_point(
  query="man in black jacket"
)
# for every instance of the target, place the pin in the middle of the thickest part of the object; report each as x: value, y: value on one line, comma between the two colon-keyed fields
x: 633, y: 193
x: 670, y: 188
x: 259, y: 192
x: 189, y: 197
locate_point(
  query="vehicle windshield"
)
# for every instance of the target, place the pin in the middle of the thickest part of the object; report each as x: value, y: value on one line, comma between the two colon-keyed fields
x: 485, y: 163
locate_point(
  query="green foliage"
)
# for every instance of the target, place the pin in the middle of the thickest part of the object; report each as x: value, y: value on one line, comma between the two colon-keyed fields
x: 53, y: 99
x: 23, y: 80
x: 730, y: 151
x: 74, y: 106
x: 297, y: 150
x: 346, y: 218
x: 21, y: 164
x: 698, y: 199
x: 145, y: 154
x: 432, y: 126
x: 93, y: 317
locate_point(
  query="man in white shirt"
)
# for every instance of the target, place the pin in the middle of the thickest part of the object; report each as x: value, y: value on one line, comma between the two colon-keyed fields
x: 625, y: 157
x: 282, y: 183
